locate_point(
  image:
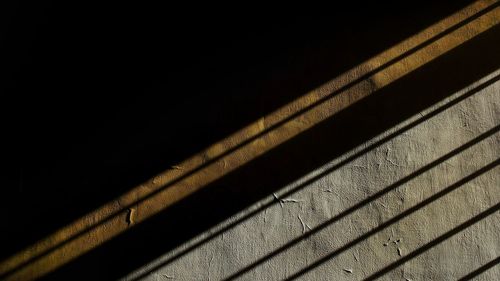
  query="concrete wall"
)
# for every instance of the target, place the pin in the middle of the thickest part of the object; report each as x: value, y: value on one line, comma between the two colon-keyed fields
x: 418, y: 201
x: 317, y: 148
x: 422, y: 203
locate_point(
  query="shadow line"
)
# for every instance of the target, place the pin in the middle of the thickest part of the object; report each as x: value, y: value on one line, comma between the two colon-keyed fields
x: 120, y: 147
x: 439, y: 240
x: 267, y: 130
x: 341, y: 164
x: 397, y: 218
x: 264, y: 175
x: 362, y: 203
x: 481, y: 270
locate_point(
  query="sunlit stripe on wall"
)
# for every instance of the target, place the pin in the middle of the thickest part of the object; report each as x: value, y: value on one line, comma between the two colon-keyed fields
x: 247, y: 144
x: 293, y: 189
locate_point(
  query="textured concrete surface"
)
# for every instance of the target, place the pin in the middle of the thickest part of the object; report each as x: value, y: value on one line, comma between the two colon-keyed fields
x: 387, y: 171
x: 419, y: 203
x: 446, y: 166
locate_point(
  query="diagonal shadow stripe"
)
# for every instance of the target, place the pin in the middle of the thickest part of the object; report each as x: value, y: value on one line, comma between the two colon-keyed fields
x: 364, y: 202
x: 397, y: 218
x: 271, y: 128
x: 281, y: 122
x: 404, y: 98
x: 440, y: 240
x: 439, y: 97
x: 481, y: 270
x: 339, y: 165
x: 336, y: 92
x: 330, y: 54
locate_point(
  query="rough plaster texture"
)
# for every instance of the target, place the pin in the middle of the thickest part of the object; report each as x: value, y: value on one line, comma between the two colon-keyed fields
x: 461, y: 186
x: 408, y: 203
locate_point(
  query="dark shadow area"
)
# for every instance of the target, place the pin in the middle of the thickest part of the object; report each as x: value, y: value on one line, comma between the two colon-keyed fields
x: 99, y: 98
x: 480, y: 270
x: 358, y: 123
x: 437, y: 241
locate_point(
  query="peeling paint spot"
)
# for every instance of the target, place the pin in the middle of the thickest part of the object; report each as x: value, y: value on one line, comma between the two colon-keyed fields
x: 383, y: 205
x: 387, y: 243
x: 290, y: 201
x: 276, y: 197
x: 286, y: 200
x: 130, y: 216
x: 304, y: 225
x: 392, y: 162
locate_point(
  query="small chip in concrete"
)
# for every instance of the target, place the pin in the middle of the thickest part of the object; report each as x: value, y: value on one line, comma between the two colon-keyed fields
x: 348, y: 270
